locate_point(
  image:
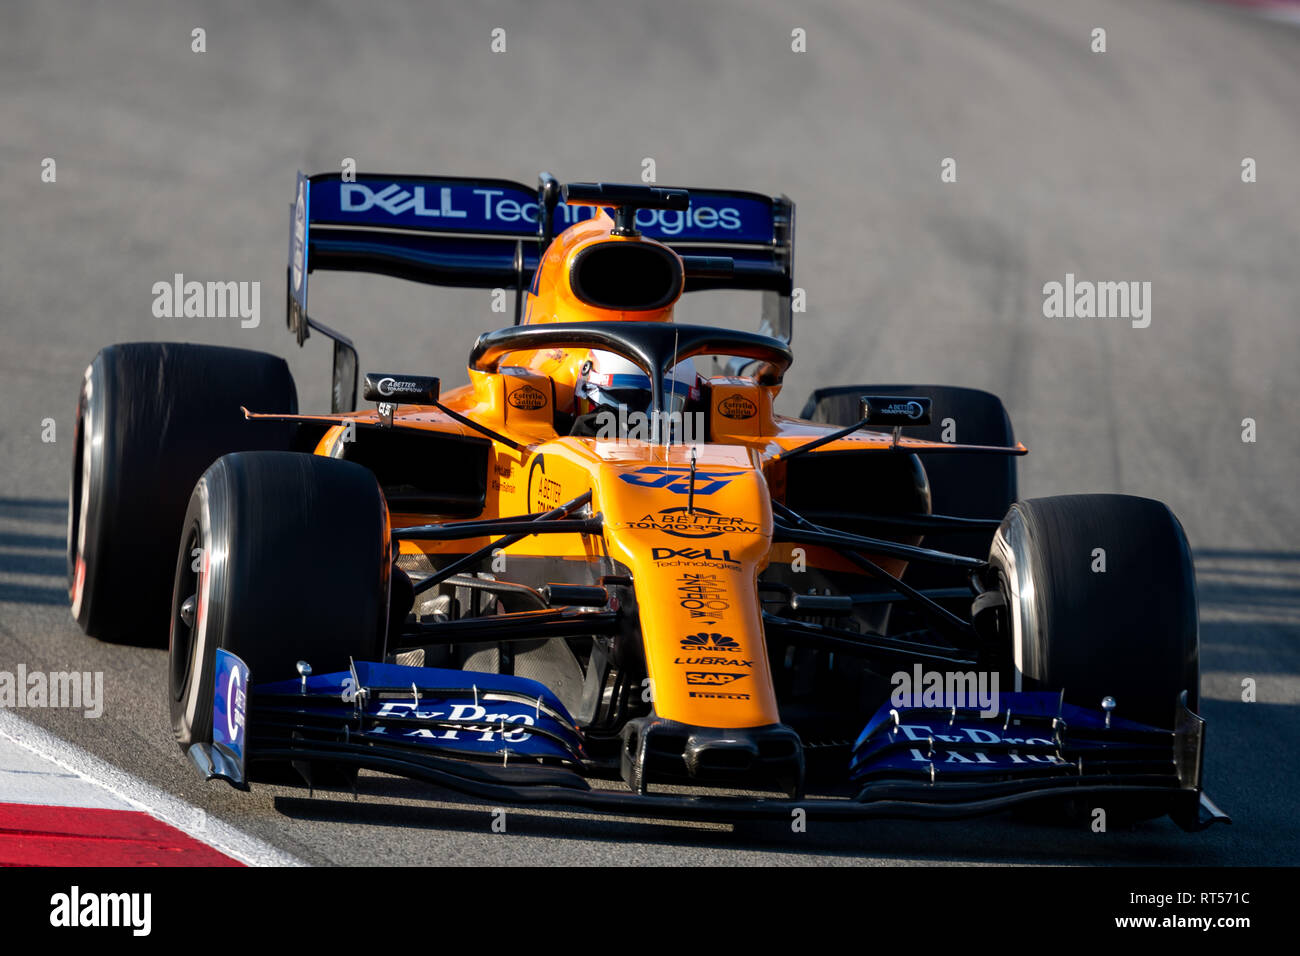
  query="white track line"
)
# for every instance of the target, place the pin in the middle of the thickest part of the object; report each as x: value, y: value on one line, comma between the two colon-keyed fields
x: 142, y: 796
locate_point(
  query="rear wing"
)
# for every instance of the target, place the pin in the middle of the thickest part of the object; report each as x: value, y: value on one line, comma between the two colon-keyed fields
x: 492, y: 233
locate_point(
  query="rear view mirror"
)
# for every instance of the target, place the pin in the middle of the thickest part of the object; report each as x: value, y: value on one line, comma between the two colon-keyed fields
x: 401, y: 389
x: 892, y: 410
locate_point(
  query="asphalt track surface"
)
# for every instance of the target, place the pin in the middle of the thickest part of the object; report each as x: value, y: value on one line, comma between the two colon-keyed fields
x: 1123, y: 165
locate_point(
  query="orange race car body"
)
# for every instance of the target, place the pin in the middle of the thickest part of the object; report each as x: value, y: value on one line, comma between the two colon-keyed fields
x: 713, y: 549
x: 681, y: 589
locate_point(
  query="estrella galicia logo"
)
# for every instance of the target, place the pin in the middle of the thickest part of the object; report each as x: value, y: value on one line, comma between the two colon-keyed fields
x: 711, y: 642
x: 737, y: 407
x: 678, y: 479
x: 527, y: 398
x: 712, y: 678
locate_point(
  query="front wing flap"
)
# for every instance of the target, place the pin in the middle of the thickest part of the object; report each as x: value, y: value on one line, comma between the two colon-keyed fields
x: 509, y: 739
x: 1031, y: 745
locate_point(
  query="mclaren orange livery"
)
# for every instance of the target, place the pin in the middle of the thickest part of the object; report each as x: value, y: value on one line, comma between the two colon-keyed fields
x: 605, y: 572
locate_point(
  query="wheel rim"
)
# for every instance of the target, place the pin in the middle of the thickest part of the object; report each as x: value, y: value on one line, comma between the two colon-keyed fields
x: 1009, y: 552
x: 183, y: 645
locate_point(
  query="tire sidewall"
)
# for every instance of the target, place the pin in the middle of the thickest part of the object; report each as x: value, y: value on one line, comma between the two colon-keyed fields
x: 90, y: 487
x: 1008, y: 557
x: 191, y: 702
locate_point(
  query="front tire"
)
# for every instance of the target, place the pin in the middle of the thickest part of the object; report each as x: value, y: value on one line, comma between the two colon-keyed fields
x: 293, y: 563
x: 1101, y: 597
x: 1101, y: 601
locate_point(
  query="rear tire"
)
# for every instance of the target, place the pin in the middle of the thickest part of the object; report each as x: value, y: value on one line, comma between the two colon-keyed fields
x: 151, y: 417
x: 294, y: 564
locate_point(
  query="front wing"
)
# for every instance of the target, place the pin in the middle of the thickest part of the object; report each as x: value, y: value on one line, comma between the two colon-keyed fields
x: 509, y: 739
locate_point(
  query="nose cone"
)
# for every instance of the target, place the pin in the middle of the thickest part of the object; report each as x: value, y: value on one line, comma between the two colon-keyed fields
x: 747, y: 757
x: 696, y: 542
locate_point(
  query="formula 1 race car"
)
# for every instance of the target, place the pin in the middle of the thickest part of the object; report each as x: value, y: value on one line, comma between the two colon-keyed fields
x: 600, y: 560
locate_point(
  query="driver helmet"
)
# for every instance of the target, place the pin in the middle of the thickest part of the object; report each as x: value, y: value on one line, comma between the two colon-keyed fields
x: 607, y: 381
